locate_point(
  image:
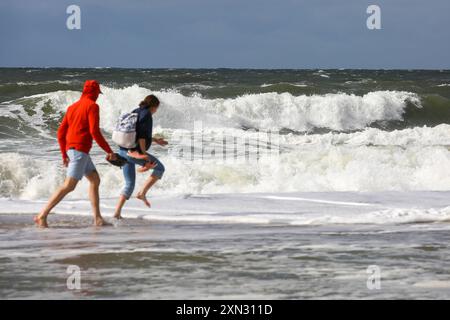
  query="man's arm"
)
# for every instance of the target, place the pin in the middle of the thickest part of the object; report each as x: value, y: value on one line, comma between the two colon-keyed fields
x: 94, y: 129
x: 62, y: 131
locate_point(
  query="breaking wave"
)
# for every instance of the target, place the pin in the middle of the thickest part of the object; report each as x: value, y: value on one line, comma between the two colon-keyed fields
x: 264, y: 111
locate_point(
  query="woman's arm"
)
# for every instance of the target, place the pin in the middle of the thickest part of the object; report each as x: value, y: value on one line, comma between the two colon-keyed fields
x: 142, y: 145
x: 160, y: 141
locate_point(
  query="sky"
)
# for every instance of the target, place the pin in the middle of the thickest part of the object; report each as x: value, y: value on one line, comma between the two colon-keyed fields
x: 299, y: 34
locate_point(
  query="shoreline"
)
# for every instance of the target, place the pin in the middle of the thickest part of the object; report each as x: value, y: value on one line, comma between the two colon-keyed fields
x: 292, y: 208
x: 142, y: 259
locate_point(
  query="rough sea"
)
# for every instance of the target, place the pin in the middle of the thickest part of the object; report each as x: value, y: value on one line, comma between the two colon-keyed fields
x: 279, y: 184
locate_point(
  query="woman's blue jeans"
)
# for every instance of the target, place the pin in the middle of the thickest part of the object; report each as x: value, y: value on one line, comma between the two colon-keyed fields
x: 129, y: 171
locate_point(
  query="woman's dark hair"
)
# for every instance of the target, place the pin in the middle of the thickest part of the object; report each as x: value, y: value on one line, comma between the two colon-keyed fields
x: 149, y: 101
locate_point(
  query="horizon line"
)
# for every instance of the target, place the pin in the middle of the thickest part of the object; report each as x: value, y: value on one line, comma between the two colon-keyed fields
x: 225, y: 68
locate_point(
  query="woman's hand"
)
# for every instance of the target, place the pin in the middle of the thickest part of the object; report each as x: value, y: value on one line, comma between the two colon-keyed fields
x: 160, y: 141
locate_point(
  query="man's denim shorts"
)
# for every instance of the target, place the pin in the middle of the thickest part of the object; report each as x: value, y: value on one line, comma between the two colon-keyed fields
x: 80, y: 164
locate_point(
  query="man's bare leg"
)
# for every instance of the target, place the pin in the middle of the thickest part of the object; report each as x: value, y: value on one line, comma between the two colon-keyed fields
x: 147, y: 185
x: 119, y: 206
x: 67, y: 187
x: 94, y: 184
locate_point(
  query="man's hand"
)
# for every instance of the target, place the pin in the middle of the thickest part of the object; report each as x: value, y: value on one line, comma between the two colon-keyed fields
x: 65, y: 162
x: 111, y: 157
x: 161, y: 141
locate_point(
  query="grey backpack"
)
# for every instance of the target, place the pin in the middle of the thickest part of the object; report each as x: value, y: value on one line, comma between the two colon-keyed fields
x: 125, y: 132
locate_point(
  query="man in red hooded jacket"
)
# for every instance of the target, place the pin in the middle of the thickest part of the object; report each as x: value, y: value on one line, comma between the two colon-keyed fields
x: 75, y: 134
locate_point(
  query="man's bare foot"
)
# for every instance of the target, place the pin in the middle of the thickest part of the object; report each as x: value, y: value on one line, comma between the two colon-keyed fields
x: 99, y: 222
x: 148, y: 165
x: 142, y: 197
x: 118, y: 217
x: 40, y: 221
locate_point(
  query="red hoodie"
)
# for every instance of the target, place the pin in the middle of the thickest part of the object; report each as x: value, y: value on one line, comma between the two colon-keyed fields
x: 81, y: 123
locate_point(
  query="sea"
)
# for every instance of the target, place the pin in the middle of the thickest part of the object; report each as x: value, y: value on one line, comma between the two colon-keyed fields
x: 279, y: 184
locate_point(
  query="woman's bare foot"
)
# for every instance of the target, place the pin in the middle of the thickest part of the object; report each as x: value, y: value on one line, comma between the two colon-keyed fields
x: 99, y: 222
x: 142, y: 197
x: 148, y: 165
x: 118, y: 216
x: 40, y: 221
x: 137, y: 155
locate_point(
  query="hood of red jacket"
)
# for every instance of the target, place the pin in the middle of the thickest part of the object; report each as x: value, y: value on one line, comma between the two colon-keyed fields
x: 91, y: 89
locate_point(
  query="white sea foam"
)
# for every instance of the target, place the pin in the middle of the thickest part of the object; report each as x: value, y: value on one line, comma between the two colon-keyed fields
x: 26, y: 177
x: 195, y: 86
x: 267, y: 111
x: 37, y: 83
x: 267, y: 209
x: 389, y: 216
x: 372, y: 160
x: 301, y: 85
x: 418, y: 136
